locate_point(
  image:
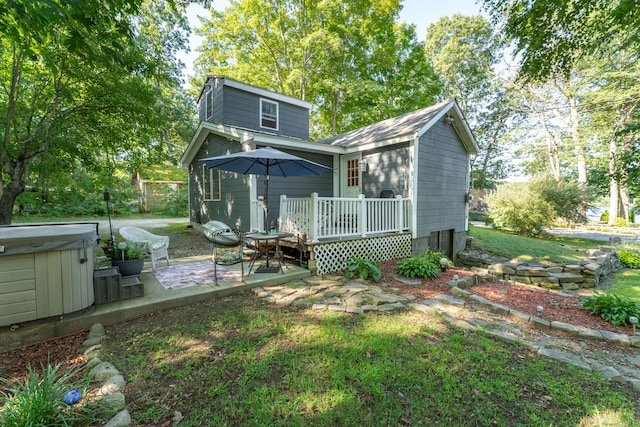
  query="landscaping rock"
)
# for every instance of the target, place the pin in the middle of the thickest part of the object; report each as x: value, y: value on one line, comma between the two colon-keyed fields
x: 111, y: 404
x: 103, y: 371
x: 121, y: 419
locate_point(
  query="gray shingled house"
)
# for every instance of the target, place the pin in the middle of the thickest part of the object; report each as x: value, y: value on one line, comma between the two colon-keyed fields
x: 399, y: 186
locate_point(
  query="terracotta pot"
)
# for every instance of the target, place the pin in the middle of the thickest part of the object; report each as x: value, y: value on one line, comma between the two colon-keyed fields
x: 131, y: 267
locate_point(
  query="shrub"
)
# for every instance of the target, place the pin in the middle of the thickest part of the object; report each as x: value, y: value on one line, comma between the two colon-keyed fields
x: 38, y: 400
x: 620, y: 222
x: 630, y: 256
x: 605, y: 216
x: 515, y: 206
x: 426, y: 267
x: 567, y: 199
x: 611, y: 308
x: 362, y: 268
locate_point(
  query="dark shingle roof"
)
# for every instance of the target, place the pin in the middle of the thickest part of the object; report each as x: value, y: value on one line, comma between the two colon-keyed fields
x: 405, y: 124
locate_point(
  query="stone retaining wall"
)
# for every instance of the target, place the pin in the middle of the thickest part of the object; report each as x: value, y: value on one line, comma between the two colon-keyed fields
x: 586, y: 273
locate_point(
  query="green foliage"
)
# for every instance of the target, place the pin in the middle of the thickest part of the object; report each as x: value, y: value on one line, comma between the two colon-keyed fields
x: 620, y: 222
x: 123, y: 250
x: 566, y: 198
x: 553, y: 35
x: 517, y: 207
x: 352, y: 59
x: 630, y: 256
x: 363, y: 269
x: 612, y: 308
x: 427, y: 266
x: 605, y: 216
x: 177, y: 202
x: 418, y: 267
x: 528, y: 207
x: 96, y: 85
x: 38, y: 400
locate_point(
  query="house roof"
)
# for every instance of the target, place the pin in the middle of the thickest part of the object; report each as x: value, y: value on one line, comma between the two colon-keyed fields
x: 407, y: 127
x: 248, y: 136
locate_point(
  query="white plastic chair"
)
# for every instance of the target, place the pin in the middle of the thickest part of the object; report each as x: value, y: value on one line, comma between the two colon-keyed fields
x: 155, y: 246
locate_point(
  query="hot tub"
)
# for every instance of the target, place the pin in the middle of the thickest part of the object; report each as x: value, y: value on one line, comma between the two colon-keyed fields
x: 45, y: 270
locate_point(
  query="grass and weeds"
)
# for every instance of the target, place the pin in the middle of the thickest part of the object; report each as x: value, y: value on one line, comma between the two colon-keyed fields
x: 38, y: 400
x: 520, y: 248
x: 242, y: 361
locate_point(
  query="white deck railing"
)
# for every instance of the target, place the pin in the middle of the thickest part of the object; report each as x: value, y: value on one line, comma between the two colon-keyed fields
x: 333, y: 217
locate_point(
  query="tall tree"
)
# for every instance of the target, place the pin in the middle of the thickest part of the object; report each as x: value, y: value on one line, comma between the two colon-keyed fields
x: 464, y: 50
x: 552, y: 36
x: 78, y: 83
x: 335, y: 54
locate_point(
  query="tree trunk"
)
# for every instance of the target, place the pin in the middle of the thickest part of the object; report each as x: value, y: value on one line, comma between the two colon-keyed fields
x: 7, y: 200
x: 613, y: 183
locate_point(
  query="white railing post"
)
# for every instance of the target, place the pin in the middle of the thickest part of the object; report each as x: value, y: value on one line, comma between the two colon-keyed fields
x: 399, y: 214
x: 362, y: 221
x: 313, y: 213
x: 284, y: 214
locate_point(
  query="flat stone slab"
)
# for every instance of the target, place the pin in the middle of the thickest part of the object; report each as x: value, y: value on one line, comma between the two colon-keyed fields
x: 406, y: 280
x: 568, y: 277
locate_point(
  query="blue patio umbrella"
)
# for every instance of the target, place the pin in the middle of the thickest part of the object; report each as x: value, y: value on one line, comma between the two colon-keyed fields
x: 265, y: 161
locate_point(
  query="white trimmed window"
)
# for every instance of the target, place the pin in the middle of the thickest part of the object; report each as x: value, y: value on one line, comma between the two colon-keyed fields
x: 268, y: 114
x: 211, y: 183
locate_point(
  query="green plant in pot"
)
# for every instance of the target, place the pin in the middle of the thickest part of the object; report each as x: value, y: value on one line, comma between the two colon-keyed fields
x: 128, y: 257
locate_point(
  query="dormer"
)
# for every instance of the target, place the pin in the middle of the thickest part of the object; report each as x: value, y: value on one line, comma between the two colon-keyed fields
x: 230, y: 102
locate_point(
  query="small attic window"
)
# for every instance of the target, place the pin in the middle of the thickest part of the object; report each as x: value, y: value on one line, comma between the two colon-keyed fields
x: 268, y: 114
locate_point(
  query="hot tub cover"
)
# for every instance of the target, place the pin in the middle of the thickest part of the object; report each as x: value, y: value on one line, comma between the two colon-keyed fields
x: 25, y: 239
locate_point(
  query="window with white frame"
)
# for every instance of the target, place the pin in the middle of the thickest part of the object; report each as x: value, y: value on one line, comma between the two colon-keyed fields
x: 211, y: 183
x: 268, y: 114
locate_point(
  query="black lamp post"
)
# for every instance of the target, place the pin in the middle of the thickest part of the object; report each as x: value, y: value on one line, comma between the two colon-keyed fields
x: 107, y: 197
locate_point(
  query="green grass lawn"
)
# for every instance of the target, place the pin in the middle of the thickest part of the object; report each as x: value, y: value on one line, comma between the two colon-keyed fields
x: 626, y: 283
x: 520, y: 248
x: 242, y: 361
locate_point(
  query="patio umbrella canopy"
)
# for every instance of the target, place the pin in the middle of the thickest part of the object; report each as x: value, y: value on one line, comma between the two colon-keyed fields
x: 265, y: 161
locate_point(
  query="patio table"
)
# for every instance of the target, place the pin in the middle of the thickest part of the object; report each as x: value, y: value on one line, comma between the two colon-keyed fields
x: 267, y: 242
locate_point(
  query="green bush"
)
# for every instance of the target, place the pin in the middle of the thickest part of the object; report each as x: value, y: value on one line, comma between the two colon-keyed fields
x: 362, y: 268
x: 515, y: 206
x: 620, y: 222
x: 425, y: 267
x: 566, y: 198
x: 630, y: 256
x: 38, y: 400
x: 611, y: 308
x: 605, y: 216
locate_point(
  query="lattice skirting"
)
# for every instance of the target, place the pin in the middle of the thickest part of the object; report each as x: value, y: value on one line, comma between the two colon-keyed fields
x: 331, y: 256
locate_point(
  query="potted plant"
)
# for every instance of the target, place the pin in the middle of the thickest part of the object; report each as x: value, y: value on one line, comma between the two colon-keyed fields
x: 128, y: 257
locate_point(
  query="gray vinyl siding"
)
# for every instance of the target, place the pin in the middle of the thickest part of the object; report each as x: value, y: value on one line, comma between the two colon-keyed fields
x: 233, y: 208
x: 298, y: 186
x: 242, y: 109
x: 388, y: 169
x: 216, y: 99
x: 442, y: 181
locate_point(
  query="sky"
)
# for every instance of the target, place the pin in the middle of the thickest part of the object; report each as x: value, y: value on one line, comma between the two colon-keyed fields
x: 422, y: 13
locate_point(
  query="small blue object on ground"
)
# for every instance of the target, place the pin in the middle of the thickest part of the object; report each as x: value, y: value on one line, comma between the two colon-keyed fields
x: 72, y: 397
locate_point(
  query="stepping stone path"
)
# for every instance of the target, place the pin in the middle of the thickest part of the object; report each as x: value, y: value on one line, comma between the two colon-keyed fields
x: 619, y: 360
